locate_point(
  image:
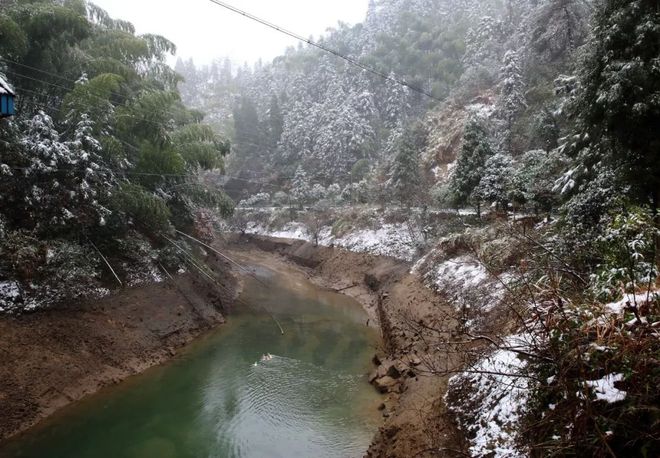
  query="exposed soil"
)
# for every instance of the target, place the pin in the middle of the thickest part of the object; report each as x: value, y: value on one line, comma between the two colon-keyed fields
x: 53, y: 358
x: 415, y: 421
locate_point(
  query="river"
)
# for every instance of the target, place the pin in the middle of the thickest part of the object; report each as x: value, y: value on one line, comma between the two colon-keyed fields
x: 217, y: 399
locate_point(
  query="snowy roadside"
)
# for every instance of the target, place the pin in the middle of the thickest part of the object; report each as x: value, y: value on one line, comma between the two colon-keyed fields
x: 392, y: 240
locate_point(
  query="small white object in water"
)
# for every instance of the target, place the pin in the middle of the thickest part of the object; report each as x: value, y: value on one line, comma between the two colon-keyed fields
x: 266, y: 357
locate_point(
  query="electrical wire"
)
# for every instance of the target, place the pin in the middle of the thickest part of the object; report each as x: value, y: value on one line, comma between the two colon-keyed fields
x: 322, y: 47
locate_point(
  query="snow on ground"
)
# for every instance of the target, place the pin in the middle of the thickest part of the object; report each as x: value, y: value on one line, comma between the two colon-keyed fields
x: 465, y: 276
x: 605, y: 390
x: 10, y: 293
x: 296, y: 231
x: 394, y: 240
x: 490, y: 399
x: 618, y: 307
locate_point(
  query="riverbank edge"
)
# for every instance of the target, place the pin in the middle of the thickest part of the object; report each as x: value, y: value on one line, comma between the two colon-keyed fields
x: 53, y: 358
x: 415, y: 422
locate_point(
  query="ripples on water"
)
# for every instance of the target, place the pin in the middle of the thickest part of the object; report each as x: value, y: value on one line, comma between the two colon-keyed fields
x: 310, y: 400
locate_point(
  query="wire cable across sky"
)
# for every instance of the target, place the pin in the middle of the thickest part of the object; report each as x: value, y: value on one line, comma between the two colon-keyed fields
x: 322, y: 47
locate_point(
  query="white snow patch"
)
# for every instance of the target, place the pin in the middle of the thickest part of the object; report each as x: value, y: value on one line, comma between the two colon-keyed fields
x: 465, y: 277
x: 481, y: 110
x: 496, y: 400
x: 5, y: 87
x: 618, y: 307
x: 393, y: 240
x: 605, y: 389
x: 10, y: 293
x: 296, y: 231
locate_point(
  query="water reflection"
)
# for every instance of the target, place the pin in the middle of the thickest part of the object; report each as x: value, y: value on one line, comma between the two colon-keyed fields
x: 310, y: 400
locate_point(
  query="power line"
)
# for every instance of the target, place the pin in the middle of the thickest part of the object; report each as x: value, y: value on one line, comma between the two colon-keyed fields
x: 133, y: 147
x: 322, y: 47
x: 259, y: 145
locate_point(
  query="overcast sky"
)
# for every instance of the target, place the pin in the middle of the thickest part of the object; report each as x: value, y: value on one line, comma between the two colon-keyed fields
x: 205, y: 31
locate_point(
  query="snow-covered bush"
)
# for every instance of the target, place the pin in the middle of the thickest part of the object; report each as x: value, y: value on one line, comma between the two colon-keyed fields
x: 317, y: 193
x: 140, y: 259
x: 46, y: 273
x: 280, y: 199
x: 334, y: 193
x: 628, y: 249
x: 61, y: 185
x: 256, y: 200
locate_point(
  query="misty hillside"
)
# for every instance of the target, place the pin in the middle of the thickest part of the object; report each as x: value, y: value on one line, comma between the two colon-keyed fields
x: 498, y: 60
x: 480, y: 177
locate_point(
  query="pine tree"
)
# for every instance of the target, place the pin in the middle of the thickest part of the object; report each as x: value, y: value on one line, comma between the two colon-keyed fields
x: 470, y: 165
x: 300, y: 187
x: 275, y: 121
x: 495, y: 184
x: 404, y: 176
x: 619, y: 107
x: 512, y: 96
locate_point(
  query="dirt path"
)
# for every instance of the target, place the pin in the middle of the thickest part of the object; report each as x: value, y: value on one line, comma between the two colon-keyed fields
x: 53, y: 358
x: 415, y: 422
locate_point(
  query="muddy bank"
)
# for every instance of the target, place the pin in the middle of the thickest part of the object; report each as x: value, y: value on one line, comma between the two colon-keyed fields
x: 53, y: 358
x: 415, y: 423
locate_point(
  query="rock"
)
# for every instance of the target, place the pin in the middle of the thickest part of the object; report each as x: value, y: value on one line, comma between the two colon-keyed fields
x: 415, y: 361
x: 393, y: 371
x: 381, y: 406
x: 376, y: 360
x: 385, y: 384
x: 382, y: 370
x: 373, y: 376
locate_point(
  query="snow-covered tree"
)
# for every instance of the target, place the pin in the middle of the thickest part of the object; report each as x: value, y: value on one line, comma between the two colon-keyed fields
x: 300, y: 187
x: 317, y: 193
x: 512, y: 96
x: 470, y: 163
x: 61, y: 183
x: 533, y: 182
x: 404, y: 176
x: 495, y: 184
x: 619, y: 106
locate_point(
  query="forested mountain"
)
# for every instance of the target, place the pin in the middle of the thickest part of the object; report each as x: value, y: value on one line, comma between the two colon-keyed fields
x: 508, y: 150
x: 547, y: 109
x: 313, y: 109
x: 103, y: 156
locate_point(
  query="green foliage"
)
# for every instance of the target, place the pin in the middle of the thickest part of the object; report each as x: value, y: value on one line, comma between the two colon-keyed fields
x: 146, y: 210
x: 158, y: 165
x: 148, y: 117
x: 628, y: 252
x: 93, y: 98
x: 470, y: 165
x: 201, y: 147
x: 533, y: 182
x: 13, y: 41
x: 619, y: 107
x: 199, y: 195
x: 405, y: 170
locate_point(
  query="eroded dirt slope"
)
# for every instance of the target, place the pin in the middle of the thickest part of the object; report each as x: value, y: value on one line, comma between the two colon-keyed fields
x: 50, y: 359
x: 415, y: 423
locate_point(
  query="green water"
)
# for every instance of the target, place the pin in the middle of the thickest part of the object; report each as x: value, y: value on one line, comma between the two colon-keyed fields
x: 311, y: 400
